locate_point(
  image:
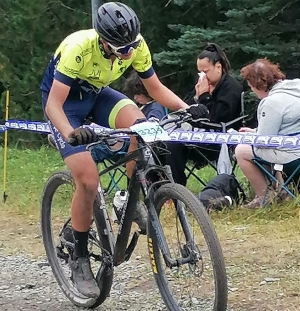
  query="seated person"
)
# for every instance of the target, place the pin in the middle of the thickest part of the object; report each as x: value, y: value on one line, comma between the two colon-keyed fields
x: 219, y: 96
x: 278, y: 113
x: 135, y: 89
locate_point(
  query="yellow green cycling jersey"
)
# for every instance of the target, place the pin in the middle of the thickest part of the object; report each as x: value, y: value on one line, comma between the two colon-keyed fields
x: 81, y: 63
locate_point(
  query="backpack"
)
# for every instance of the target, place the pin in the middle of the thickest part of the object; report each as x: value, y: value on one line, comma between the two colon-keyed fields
x: 217, y: 189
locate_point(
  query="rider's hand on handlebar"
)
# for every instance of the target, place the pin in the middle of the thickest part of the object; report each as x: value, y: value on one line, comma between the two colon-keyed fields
x: 82, y: 136
x: 197, y: 111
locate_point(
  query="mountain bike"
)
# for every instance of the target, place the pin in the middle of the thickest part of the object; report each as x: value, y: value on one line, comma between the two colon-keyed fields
x: 180, y: 236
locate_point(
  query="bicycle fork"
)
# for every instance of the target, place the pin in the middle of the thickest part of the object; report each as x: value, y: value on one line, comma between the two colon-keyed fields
x: 190, y: 252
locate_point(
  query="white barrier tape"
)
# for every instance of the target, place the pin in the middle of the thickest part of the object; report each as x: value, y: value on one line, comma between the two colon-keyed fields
x: 42, y: 127
x: 267, y: 141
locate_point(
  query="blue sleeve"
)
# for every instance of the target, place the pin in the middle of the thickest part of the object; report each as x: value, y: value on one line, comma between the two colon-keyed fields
x: 154, y: 110
x: 147, y: 74
x: 63, y: 78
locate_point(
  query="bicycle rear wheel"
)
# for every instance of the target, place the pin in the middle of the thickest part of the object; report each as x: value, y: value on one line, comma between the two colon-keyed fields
x: 56, y: 226
x: 200, y: 284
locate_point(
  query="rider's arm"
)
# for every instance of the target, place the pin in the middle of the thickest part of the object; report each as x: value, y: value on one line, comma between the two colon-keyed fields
x: 160, y: 93
x: 54, y: 107
x: 70, y: 63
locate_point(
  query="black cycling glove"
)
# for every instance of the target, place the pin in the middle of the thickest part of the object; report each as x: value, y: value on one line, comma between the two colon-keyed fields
x: 198, y: 111
x: 82, y: 136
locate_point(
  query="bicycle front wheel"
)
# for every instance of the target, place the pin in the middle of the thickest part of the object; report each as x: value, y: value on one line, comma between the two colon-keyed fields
x: 57, y: 237
x: 198, y: 281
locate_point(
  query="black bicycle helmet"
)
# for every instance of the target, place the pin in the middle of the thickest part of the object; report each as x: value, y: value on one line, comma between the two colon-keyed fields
x: 117, y: 23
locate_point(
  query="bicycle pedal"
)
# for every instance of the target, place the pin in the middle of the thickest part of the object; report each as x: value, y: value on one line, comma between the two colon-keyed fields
x: 61, y: 254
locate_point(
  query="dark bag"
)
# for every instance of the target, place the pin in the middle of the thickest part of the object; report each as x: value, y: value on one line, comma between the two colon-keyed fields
x: 221, y: 191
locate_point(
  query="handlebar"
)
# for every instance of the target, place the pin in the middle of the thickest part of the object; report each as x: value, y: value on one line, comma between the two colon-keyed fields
x: 177, y: 118
x: 105, y: 134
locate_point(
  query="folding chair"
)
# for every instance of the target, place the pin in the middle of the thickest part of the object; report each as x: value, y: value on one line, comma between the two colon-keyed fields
x: 223, y: 127
x: 114, y: 178
x: 195, y: 166
x: 219, y: 127
x: 291, y: 170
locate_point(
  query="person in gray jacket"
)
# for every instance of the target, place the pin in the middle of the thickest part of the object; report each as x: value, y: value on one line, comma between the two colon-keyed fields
x: 278, y: 113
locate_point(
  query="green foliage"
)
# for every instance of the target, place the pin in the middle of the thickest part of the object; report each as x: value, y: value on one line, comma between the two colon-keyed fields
x: 30, y: 32
x: 156, y: 18
x: 176, y: 31
x: 246, y: 30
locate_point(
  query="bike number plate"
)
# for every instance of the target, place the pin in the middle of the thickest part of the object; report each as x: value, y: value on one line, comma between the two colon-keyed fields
x: 150, y: 131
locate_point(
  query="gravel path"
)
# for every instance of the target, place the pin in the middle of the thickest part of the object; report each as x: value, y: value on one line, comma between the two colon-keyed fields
x: 29, y: 285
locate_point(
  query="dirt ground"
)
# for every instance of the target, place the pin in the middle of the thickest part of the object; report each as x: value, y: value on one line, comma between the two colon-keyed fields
x: 263, y: 261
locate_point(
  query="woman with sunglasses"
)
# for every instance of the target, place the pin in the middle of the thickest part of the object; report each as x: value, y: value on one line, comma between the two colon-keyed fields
x: 76, y: 85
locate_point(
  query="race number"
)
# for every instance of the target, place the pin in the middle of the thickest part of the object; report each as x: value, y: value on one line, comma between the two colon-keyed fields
x: 150, y: 131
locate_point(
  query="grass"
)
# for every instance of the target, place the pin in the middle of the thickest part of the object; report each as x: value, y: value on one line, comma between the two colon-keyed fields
x: 27, y: 171
x: 256, y: 244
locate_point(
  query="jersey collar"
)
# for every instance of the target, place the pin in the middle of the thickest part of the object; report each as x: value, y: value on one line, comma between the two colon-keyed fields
x: 103, y: 52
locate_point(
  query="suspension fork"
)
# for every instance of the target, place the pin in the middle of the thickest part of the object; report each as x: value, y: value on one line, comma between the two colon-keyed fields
x: 155, y: 225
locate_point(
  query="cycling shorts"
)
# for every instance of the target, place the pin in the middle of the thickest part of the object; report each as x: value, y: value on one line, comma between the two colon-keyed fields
x: 102, y: 108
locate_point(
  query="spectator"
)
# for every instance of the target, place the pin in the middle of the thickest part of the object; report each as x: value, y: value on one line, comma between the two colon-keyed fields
x: 134, y: 89
x: 220, y: 94
x: 278, y: 113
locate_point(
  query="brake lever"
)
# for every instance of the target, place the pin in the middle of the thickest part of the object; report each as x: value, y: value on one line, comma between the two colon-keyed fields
x: 201, y: 120
x: 181, y: 111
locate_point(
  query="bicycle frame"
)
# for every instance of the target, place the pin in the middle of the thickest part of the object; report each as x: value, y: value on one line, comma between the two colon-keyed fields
x: 145, y: 164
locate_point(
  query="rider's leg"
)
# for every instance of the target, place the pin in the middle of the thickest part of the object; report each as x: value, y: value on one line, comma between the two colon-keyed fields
x: 125, y: 118
x: 86, y: 183
x: 85, y: 175
x: 113, y: 109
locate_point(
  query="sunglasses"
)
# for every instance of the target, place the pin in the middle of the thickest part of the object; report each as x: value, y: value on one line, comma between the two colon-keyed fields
x: 124, y: 49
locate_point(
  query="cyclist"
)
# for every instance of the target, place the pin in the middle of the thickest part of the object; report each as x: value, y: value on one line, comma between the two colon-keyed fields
x: 75, y: 85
